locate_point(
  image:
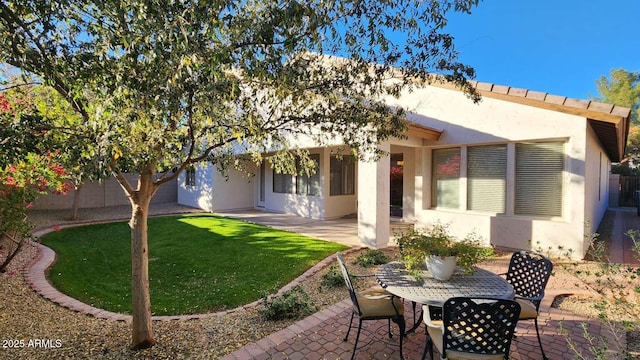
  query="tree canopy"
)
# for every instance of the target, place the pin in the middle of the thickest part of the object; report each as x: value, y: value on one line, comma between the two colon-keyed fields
x: 160, y: 85
x: 622, y: 88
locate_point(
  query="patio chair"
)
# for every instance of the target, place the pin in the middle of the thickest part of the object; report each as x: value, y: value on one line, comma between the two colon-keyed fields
x: 373, y: 304
x: 529, y: 273
x: 472, y: 328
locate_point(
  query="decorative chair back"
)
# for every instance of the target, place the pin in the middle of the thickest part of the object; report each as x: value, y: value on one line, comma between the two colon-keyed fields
x: 479, y: 325
x: 347, y: 280
x: 529, y: 273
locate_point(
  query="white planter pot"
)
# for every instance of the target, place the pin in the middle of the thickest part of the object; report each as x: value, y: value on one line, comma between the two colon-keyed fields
x: 441, y: 268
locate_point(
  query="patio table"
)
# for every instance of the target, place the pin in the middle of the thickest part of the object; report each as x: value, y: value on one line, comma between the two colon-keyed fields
x: 428, y: 291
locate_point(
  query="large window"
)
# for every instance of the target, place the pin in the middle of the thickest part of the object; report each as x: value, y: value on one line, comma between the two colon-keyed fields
x: 302, y: 184
x: 537, y: 179
x: 446, y: 178
x: 487, y: 178
x: 539, y: 170
x: 343, y: 174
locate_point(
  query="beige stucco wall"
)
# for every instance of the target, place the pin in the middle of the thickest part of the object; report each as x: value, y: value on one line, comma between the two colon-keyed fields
x: 493, y: 121
x: 215, y: 191
x: 463, y: 124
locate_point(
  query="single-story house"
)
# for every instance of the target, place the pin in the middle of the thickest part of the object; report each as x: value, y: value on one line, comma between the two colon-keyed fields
x: 522, y: 169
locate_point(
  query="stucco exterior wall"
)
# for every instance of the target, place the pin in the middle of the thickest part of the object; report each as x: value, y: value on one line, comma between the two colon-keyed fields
x: 214, y: 191
x: 200, y: 195
x: 597, y: 185
x: 498, y: 122
x: 463, y: 124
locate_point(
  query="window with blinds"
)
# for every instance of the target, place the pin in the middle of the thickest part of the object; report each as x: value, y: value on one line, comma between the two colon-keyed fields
x: 308, y: 184
x: 342, y: 174
x: 302, y: 184
x: 487, y: 178
x: 539, y: 173
x: 445, y: 191
x: 282, y: 183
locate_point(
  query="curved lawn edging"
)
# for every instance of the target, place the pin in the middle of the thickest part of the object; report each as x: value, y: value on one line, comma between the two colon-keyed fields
x: 35, y: 275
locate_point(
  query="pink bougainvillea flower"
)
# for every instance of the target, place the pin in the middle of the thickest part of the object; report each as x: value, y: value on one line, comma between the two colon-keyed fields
x: 5, y: 105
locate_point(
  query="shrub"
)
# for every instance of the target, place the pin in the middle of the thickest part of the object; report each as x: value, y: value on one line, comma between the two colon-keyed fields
x: 415, y: 245
x: 292, y: 304
x: 618, y: 308
x: 333, y: 278
x: 370, y: 258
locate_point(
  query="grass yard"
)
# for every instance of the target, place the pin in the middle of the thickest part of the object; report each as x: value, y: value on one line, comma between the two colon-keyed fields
x: 197, y: 263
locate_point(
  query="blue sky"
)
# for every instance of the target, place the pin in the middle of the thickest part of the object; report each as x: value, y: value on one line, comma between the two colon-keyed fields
x: 555, y: 46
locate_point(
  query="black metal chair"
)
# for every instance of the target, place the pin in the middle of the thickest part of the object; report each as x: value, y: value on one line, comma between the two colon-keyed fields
x: 472, y: 328
x: 372, y: 304
x: 529, y: 273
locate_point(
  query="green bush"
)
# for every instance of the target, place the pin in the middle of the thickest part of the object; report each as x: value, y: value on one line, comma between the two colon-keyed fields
x: 333, y: 278
x: 371, y: 258
x: 292, y: 304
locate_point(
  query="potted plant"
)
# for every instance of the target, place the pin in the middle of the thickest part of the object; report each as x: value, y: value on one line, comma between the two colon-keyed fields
x: 441, y: 253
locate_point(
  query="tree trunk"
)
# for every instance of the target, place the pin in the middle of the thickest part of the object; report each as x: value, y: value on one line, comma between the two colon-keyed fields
x: 142, y: 336
x: 76, y: 201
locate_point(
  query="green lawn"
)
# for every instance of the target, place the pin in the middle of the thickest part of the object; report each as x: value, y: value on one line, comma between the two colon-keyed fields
x: 197, y: 263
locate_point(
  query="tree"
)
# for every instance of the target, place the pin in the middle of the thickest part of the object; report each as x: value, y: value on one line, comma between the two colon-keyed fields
x: 623, y: 88
x: 161, y: 85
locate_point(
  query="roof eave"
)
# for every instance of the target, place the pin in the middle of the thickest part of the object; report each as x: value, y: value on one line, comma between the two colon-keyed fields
x: 615, y: 116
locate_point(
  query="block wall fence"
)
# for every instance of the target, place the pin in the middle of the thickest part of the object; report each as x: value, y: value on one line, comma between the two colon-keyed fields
x: 105, y: 194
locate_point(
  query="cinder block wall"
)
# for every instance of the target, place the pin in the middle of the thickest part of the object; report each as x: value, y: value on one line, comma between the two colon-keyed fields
x: 105, y: 194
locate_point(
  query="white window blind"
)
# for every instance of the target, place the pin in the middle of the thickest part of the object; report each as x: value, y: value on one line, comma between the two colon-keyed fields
x: 487, y: 178
x: 283, y: 183
x: 445, y: 189
x: 539, y: 170
x: 309, y: 184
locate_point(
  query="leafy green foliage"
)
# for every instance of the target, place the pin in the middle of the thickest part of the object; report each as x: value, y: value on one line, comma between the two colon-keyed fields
x: 436, y: 241
x: 623, y: 88
x: 371, y: 257
x: 332, y: 278
x: 25, y: 172
x: 160, y: 86
x: 198, y: 263
x: 292, y: 304
x: 617, y: 307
